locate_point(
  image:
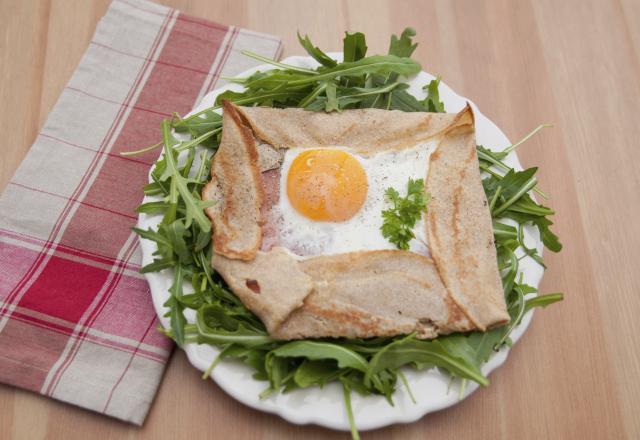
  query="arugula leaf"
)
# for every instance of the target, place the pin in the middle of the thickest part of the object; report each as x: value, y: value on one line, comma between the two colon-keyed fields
x: 193, y: 204
x: 399, y: 221
x: 178, y: 321
x: 315, y: 52
x: 152, y: 207
x: 318, y: 372
x: 321, y: 350
x: 355, y: 47
x: 346, y: 389
x: 332, y: 100
x: 549, y: 239
x: 351, y: 95
x: 265, y: 98
x: 177, y: 234
x: 158, y: 265
x: 152, y: 235
x: 543, y: 300
x: 191, y: 301
x: 403, y: 46
x: 435, y: 353
x: 491, y: 157
x: 381, y: 64
x: 432, y: 101
x: 504, y: 231
x: 510, y: 191
x: 278, y: 371
x: 242, y: 335
x: 484, y: 343
x: 403, y: 100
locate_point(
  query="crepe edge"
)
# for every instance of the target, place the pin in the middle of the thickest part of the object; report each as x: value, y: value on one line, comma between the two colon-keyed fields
x: 486, y: 319
x: 225, y: 217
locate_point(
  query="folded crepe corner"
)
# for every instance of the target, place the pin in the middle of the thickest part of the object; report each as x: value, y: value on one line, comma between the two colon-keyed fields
x: 357, y: 294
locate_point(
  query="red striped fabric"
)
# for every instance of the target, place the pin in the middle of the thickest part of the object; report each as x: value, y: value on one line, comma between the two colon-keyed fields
x: 76, y: 319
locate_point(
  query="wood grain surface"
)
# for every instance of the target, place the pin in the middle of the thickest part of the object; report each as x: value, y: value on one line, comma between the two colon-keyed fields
x: 576, y: 64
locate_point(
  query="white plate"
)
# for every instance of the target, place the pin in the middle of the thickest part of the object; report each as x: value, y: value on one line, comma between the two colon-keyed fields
x: 325, y: 406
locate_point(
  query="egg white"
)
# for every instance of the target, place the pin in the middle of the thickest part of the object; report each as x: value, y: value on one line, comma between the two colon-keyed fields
x: 307, y: 237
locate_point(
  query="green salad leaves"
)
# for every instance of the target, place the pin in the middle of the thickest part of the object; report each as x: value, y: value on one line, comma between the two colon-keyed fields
x: 371, y: 366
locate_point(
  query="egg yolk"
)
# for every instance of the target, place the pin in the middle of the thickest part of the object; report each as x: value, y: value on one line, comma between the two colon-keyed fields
x: 326, y: 185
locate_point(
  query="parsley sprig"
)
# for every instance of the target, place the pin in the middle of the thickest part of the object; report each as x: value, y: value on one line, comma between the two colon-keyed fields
x: 371, y: 366
x: 398, y: 221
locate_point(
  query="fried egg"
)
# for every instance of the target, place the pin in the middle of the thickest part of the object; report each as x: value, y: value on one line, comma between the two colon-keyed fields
x: 331, y: 199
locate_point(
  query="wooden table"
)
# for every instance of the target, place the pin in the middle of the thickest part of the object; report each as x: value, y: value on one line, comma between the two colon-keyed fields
x: 573, y: 63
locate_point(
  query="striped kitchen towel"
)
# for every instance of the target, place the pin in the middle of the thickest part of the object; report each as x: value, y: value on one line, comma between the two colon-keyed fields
x: 76, y: 318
